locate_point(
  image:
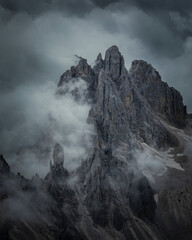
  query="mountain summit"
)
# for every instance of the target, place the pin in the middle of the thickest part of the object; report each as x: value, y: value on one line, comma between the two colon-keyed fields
x: 135, y: 182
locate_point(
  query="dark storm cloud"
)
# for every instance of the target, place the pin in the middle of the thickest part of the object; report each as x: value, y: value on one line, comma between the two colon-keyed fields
x: 177, y: 5
x: 36, y: 7
x: 83, y: 6
x: 163, y: 26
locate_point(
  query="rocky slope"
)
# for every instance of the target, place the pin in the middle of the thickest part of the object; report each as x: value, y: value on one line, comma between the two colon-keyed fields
x: 136, y: 118
x: 164, y: 100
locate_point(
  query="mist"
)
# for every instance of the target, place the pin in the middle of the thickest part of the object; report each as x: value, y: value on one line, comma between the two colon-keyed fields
x: 43, y: 119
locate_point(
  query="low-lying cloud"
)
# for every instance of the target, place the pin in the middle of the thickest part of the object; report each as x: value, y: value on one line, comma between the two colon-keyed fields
x: 41, y: 119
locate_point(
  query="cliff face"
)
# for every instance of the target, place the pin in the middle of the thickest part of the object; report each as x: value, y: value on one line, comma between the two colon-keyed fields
x: 113, y: 198
x: 124, y: 92
x: 163, y: 99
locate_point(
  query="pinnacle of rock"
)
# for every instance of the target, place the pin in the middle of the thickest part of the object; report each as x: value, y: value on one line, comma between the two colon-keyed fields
x: 99, y: 63
x: 4, y: 166
x: 114, y: 62
x: 58, y: 155
x: 99, y: 57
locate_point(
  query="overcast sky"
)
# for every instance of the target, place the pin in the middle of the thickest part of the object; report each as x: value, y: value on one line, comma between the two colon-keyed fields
x: 38, y: 41
x: 40, y: 38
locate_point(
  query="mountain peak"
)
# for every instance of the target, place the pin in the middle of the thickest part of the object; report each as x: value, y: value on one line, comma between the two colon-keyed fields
x: 163, y: 99
x: 114, y: 62
x: 98, y: 63
x: 4, y: 167
x: 145, y: 68
x: 111, y: 193
x: 99, y: 57
x: 113, y: 48
x: 58, y: 155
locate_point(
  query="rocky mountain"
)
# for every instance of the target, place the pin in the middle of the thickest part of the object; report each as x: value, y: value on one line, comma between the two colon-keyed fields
x: 136, y: 181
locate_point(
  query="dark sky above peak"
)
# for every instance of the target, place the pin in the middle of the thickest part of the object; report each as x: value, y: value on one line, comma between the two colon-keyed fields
x: 40, y: 38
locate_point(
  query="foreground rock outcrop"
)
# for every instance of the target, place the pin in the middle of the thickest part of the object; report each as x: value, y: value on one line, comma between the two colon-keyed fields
x: 113, y: 196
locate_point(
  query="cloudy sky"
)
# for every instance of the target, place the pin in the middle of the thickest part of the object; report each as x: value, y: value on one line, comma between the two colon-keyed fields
x: 40, y: 38
x: 38, y: 41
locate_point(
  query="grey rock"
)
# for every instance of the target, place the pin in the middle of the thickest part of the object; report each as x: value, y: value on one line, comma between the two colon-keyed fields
x: 4, y: 167
x: 82, y: 70
x: 163, y: 99
x: 58, y: 155
x: 114, y: 62
x: 112, y: 198
x: 57, y: 171
x: 99, y: 63
x: 36, y: 182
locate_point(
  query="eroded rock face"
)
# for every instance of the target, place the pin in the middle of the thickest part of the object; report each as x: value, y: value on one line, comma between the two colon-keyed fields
x: 83, y: 70
x: 114, y: 62
x: 163, y: 99
x: 57, y: 170
x: 127, y: 107
x: 122, y: 115
x: 4, y: 167
x: 58, y: 155
x: 112, y: 198
x: 99, y: 63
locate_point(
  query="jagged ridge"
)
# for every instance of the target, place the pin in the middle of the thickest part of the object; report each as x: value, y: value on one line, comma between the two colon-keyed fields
x: 112, y: 199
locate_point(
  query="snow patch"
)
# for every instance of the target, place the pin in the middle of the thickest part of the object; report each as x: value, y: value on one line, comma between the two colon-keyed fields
x: 155, y: 163
x: 180, y: 155
x: 180, y: 133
